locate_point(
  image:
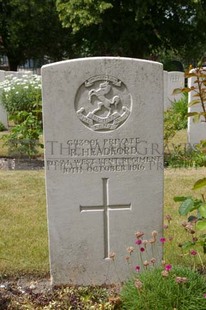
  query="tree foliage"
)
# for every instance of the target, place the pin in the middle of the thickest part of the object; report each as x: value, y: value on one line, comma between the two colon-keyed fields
x: 83, y: 13
x: 74, y: 28
x: 31, y: 29
x: 141, y: 28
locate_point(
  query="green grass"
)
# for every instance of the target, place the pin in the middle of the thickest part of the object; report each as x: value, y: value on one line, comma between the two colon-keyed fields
x: 179, y: 182
x: 23, y: 225
x: 155, y: 292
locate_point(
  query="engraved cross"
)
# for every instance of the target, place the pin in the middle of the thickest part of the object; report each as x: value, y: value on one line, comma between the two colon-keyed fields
x: 106, y: 208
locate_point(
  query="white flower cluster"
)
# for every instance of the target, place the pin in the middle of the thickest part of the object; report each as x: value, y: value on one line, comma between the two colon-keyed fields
x: 26, y: 81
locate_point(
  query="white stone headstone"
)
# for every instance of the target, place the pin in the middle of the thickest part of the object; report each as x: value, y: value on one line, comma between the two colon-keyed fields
x: 103, y: 131
x: 167, y: 102
x: 176, y: 79
x: 3, y: 113
x: 196, y: 130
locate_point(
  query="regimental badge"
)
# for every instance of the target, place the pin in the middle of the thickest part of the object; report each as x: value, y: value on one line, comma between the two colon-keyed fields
x: 103, y: 103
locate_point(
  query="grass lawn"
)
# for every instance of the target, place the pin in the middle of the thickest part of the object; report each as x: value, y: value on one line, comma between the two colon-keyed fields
x: 23, y: 226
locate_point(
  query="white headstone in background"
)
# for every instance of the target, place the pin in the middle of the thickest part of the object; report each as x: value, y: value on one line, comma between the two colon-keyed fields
x: 196, y: 130
x: 3, y: 113
x: 103, y: 131
x: 167, y: 102
x: 176, y: 79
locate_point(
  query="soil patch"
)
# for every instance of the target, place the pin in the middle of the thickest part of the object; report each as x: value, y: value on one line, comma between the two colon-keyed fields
x: 37, y: 293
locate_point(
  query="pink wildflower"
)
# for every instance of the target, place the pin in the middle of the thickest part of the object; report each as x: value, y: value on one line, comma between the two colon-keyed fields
x: 137, y: 268
x: 142, y: 249
x: 153, y: 260
x: 138, y: 241
x: 193, y: 252
x: 168, y: 267
x: 163, y: 240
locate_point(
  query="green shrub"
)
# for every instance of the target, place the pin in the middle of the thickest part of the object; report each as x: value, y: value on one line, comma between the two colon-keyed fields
x: 183, y: 158
x: 24, y: 137
x: 21, y: 94
x: 180, y: 288
x: 2, y: 127
x: 169, y: 126
x: 180, y: 110
x: 21, y: 98
x: 175, y: 118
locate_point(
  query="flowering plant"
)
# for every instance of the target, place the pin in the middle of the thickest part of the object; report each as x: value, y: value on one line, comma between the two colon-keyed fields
x: 21, y: 98
x: 21, y: 94
x: 160, y: 286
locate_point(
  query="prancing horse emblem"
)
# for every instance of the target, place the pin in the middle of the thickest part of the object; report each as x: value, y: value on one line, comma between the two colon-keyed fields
x: 104, y: 89
x: 103, y: 103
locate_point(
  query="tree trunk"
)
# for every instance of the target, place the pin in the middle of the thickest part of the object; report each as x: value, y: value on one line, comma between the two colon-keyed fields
x: 13, y: 64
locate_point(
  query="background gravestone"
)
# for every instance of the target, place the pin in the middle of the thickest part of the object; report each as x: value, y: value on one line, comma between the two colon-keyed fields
x: 103, y: 131
x: 3, y: 113
x: 196, y: 130
x: 167, y: 102
x: 176, y: 79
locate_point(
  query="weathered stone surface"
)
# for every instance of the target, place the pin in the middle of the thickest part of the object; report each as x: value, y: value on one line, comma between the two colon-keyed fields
x: 103, y: 132
x: 175, y: 80
x: 3, y: 113
x: 167, y: 102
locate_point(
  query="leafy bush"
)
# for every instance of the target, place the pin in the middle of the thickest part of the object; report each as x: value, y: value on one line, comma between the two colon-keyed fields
x: 180, y: 110
x: 175, y: 118
x: 21, y: 98
x: 2, y: 127
x: 196, y: 209
x: 24, y: 137
x: 158, y: 289
x: 21, y: 94
x: 169, y: 126
x: 185, y: 158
